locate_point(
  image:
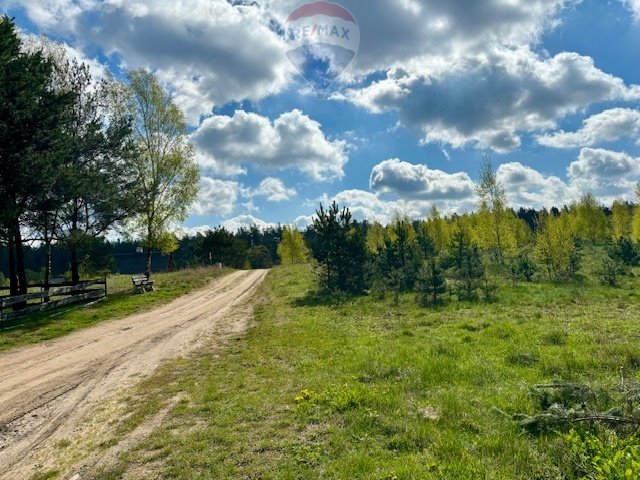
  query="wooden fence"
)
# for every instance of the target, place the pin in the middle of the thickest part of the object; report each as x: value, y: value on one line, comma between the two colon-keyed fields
x: 51, y: 296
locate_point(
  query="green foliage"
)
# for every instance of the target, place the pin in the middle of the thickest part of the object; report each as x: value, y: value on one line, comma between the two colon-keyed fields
x: 431, y: 281
x: 588, y: 219
x: 167, y: 175
x: 523, y: 268
x: 259, y: 257
x: 292, y: 249
x: 494, y: 229
x: 340, y: 250
x: 610, y: 271
x: 224, y: 247
x: 624, y: 251
x: 396, y: 265
x: 621, y: 220
x: 603, y: 457
x: 466, y: 263
x: 34, y: 117
x: 556, y: 248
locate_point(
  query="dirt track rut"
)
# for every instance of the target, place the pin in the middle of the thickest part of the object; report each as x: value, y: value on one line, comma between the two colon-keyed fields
x: 48, y: 387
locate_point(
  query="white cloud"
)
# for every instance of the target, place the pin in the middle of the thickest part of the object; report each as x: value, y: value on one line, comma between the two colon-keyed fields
x: 634, y: 6
x: 207, y: 51
x: 528, y: 188
x: 600, y: 164
x: 489, y: 99
x: 399, y: 32
x: 608, y: 126
x: 245, y: 221
x: 217, y: 197
x: 608, y: 175
x: 419, y: 182
x: 228, y: 144
x: 274, y: 190
x: 193, y: 231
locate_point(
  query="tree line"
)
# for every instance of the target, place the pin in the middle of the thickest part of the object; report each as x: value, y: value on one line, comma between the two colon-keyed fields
x: 80, y: 157
x: 249, y: 247
x: 466, y: 254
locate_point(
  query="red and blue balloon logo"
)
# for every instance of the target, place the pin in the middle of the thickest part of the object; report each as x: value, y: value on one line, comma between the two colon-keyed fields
x: 323, y: 39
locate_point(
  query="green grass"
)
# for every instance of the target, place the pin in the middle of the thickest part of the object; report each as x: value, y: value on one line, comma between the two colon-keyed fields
x: 121, y: 301
x: 377, y: 391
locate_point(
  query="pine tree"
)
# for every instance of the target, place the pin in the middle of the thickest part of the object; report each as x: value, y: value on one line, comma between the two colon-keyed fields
x: 33, y: 119
x: 466, y: 262
x: 339, y: 248
x: 431, y: 281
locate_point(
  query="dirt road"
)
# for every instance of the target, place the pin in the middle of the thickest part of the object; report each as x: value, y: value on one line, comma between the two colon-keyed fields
x: 47, y: 388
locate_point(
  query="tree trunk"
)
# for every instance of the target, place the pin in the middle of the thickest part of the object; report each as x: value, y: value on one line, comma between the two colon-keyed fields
x: 75, y: 263
x: 20, y: 268
x: 148, y: 270
x: 47, y: 268
x: 172, y: 264
x: 73, y: 245
x: 13, y: 278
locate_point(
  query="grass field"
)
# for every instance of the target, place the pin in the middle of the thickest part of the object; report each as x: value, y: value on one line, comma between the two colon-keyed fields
x: 373, y: 390
x: 121, y: 301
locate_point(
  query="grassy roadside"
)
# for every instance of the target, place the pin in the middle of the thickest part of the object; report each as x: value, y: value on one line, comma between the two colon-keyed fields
x: 121, y: 301
x: 373, y: 390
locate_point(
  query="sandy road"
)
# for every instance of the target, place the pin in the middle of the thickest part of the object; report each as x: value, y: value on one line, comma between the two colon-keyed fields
x: 48, y: 387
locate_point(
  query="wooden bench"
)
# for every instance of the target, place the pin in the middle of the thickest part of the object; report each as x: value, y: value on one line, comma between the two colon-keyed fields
x: 141, y: 284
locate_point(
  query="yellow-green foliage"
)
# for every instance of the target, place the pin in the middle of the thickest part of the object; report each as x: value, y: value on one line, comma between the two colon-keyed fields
x: 496, y: 230
x: 621, y: 219
x: 635, y: 224
x: 588, y: 220
x: 292, y: 248
x: 555, y: 247
x: 375, y: 237
x: 438, y: 229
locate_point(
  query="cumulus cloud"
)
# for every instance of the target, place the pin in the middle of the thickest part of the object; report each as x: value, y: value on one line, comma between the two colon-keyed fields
x: 601, y: 164
x: 274, y: 190
x: 292, y: 141
x: 245, y: 221
x: 216, y: 197
x: 528, y: 188
x: 438, y: 28
x: 208, y: 52
x: 608, y: 126
x: 419, y: 182
x: 489, y: 100
x: 608, y: 175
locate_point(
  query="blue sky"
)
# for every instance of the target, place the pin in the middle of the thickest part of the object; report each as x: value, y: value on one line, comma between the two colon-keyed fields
x: 550, y: 89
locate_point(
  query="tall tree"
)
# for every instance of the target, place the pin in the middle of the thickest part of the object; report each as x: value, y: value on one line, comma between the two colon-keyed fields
x: 33, y: 118
x: 589, y: 220
x: 292, y: 248
x: 494, y: 231
x: 168, y: 175
x: 621, y: 220
x: 555, y: 246
x: 340, y: 250
x: 95, y: 184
